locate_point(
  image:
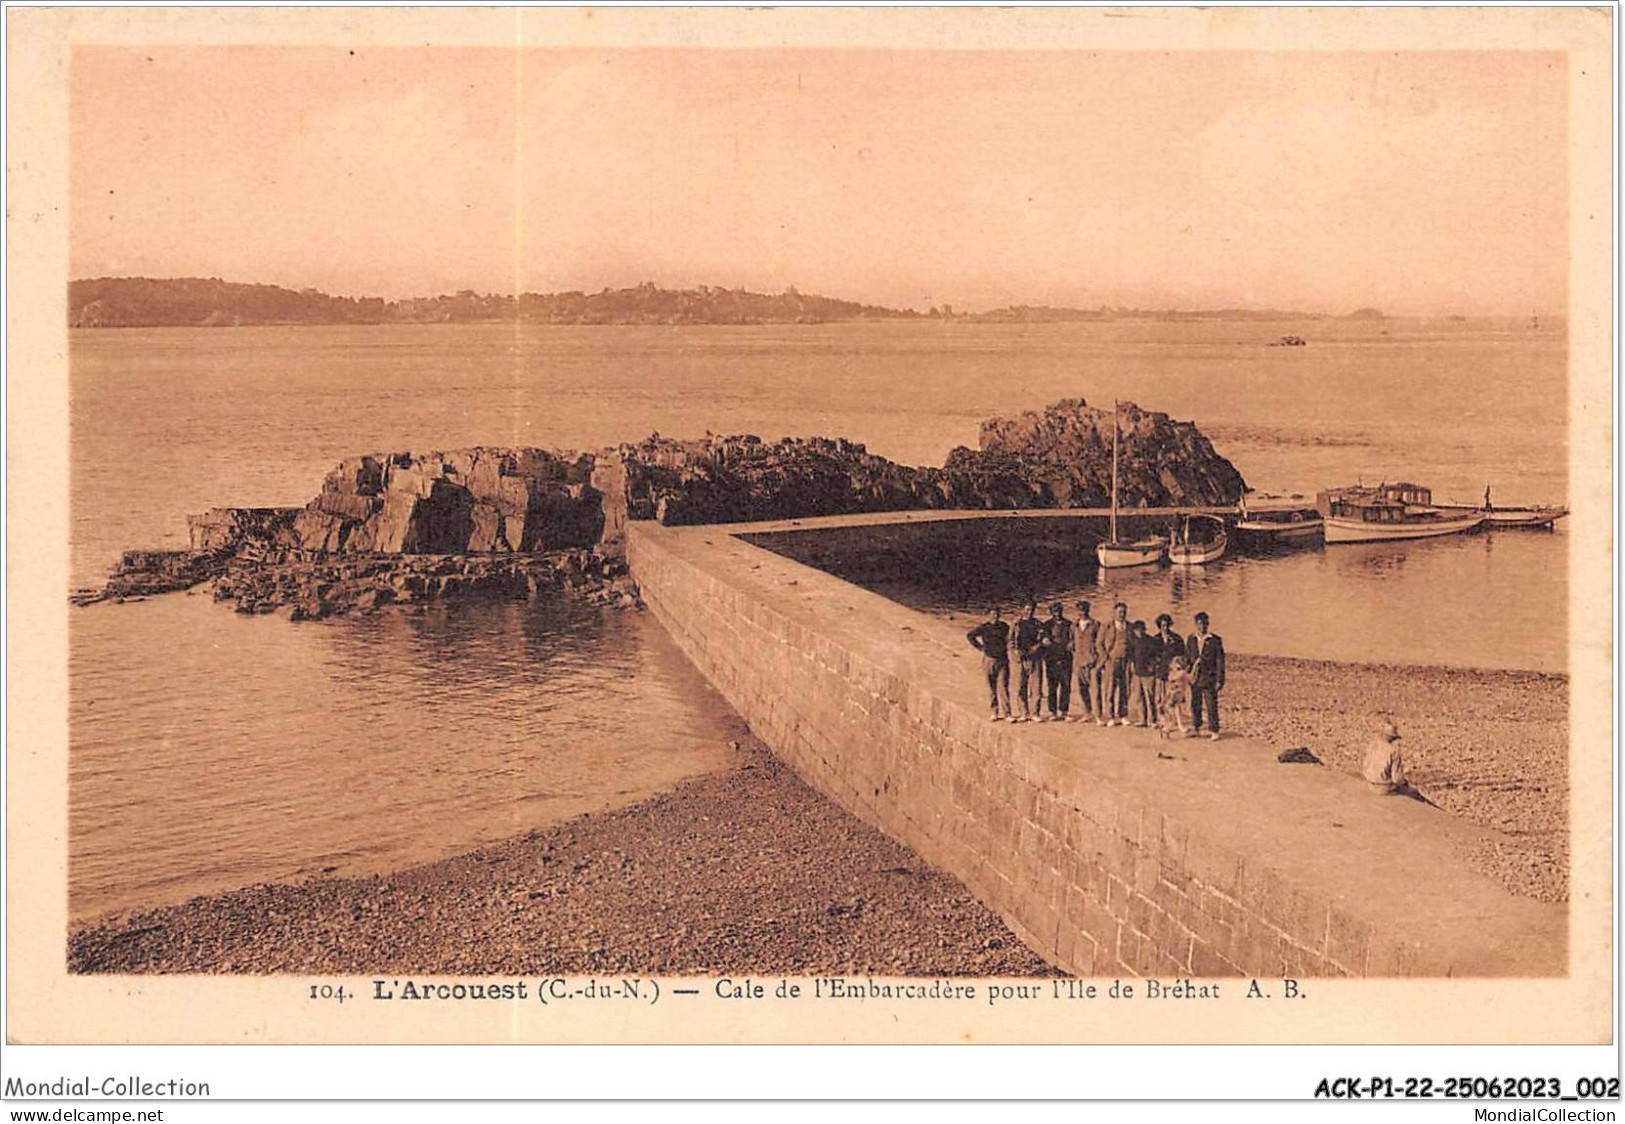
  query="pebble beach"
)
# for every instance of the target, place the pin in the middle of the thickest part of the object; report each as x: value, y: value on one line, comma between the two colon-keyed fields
x: 749, y: 870
x: 1489, y: 746
x: 746, y: 870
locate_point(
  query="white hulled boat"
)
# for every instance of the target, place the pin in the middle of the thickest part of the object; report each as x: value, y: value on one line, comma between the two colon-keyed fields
x: 1116, y: 553
x: 1523, y: 516
x: 1540, y: 517
x: 1202, y: 539
x: 1389, y: 512
x: 1279, y: 524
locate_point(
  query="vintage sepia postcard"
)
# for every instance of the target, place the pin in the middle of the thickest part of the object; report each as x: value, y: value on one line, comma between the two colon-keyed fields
x: 869, y: 525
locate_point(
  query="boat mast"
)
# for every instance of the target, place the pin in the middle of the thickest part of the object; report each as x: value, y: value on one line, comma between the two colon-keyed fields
x: 1114, y: 470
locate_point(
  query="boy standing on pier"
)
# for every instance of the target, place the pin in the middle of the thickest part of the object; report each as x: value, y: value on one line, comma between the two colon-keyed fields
x: 1173, y: 645
x: 1205, y: 651
x: 1178, y: 703
x: 992, y: 639
x: 1145, y: 656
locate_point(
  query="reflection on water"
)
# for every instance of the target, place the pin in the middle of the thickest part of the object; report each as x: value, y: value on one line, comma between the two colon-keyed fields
x: 211, y: 750
x: 1493, y: 599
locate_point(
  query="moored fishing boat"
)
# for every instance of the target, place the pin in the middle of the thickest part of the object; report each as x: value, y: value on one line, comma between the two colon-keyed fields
x: 1116, y: 553
x: 1201, y: 539
x: 1140, y: 552
x: 1389, y: 512
x: 1524, y: 516
x: 1278, y: 525
x: 1539, y: 517
x: 1512, y: 518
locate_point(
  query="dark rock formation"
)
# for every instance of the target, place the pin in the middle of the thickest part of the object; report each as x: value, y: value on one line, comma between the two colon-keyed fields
x: 1061, y: 457
x: 1068, y: 448
x: 313, y: 588
x: 745, y: 479
x: 142, y: 573
x: 493, y: 512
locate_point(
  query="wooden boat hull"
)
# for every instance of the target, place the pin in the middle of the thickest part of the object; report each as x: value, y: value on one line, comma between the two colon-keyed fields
x: 1516, y: 517
x: 1281, y: 532
x: 1198, y: 553
x: 1120, y: 555
x: 1340, y: 530
x: 1528, y: 517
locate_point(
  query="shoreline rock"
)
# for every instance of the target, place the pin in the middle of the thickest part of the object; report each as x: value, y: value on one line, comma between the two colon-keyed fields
x: 311, y: 590
x: 502, y: 513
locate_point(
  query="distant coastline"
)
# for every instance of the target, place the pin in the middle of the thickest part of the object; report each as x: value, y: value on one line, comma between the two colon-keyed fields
x: 143, y: 302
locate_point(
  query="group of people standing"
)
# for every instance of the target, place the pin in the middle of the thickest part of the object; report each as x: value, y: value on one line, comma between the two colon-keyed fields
x: 1125, y: 675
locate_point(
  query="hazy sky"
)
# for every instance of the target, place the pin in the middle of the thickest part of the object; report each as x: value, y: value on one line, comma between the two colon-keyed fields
x: 1414, y: 182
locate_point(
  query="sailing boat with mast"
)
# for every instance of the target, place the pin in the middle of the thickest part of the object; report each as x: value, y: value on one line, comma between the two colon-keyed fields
x: 1116, y: 553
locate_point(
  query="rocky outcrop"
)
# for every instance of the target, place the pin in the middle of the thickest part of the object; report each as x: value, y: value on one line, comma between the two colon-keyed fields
x: 407, y: 512
x: 476, y: 500
x: 1067, y: 448
x: 143, y: 573
x: 1060, y: 457
x: 312, y: 588
x: 397, y: 527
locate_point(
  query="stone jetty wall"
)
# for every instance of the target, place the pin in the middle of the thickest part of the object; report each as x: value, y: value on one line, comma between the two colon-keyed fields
x: 1105, y: 861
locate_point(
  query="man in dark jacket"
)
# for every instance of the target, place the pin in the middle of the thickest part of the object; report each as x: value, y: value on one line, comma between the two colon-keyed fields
x: 1145, y: 656
x: 1029, y: 650
x: 992, y: 639
x: 1205, y: 650
x: 1057, y: 643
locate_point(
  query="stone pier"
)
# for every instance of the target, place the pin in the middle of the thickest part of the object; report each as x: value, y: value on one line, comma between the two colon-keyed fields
x: 1109, y: 851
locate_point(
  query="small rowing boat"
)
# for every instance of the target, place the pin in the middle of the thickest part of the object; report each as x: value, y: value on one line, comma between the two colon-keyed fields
x: 1279, y: 525
x: 1202, y: 539
x: 1524, y: 516
x: 1141, y: 552
x: 1540, y: 517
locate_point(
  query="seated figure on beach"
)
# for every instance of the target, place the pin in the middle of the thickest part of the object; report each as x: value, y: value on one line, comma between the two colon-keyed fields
x: 1384, y: 766
x: 992, y: 639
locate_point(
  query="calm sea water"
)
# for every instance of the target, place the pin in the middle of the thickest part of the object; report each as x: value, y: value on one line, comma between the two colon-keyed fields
x: 211, y: 750
x: 1480, y: 600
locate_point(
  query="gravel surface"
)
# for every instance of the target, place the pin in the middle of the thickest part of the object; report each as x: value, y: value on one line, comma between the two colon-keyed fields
x: 743, y: 871
x: 749, y: 870
x: 1489, y: 746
